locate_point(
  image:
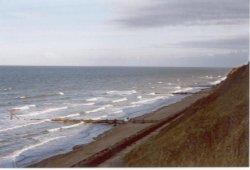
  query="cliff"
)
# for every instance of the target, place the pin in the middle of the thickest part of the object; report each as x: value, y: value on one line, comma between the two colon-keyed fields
x: 213, y: 132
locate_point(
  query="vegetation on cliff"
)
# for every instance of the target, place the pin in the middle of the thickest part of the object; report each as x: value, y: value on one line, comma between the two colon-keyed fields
x: 213, y: 132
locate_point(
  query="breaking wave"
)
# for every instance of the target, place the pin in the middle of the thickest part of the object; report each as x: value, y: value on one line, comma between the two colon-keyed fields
x: 44, y: 111
x: 120, y: 100
x: 25, y: 125
x: 121, y: 92
x: 98, y: 109
x: 65, y: 127
x: 26, y: 107
x: 42, y: 95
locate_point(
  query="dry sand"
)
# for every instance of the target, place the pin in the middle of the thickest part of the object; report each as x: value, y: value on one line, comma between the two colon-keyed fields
x: 118, y: 134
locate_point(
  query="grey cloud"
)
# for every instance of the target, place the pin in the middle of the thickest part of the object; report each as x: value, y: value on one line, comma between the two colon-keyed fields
x: 188, y: 12
x: 236, y: 43
x: 230, y: 59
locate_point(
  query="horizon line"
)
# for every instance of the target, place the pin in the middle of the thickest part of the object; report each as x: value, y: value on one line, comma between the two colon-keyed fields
x: 119, y: 66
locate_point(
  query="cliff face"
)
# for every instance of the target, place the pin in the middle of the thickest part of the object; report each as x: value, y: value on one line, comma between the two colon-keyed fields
x: 214, y: 132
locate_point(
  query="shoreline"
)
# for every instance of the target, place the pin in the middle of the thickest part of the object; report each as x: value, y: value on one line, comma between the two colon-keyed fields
x: 119, y: 134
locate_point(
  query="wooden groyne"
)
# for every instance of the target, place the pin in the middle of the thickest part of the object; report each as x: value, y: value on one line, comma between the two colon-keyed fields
x: 106, y: 121
x: 107, y: 153
x: 103, y: 121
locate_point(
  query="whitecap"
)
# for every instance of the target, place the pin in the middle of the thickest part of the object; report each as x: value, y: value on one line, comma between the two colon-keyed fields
x: 44, y: 111
x: 19, y: 152
x: 65, y: 127
x: 100, y: 117
x: 25, y: 125
x: 22, y: 97
x: 139, y: 97
x: 98, y: 109
x: 218, y: 81
x: 209, y: 77
x: 121, y: 92
x: 88, y: 104
x: 120, y: 100
x: 190, y: 90
x: 26, y: 107
x: 60, y: 93
x: 79, y: 104
x: 71, y: 115
x: 95, y: 110
x: 183, y: 90
x: 133, y: 91
x: 147, y: 100
x: 178, y: 87
x: 119, y: 111
x: 91, y: 99
x: 110, y: 92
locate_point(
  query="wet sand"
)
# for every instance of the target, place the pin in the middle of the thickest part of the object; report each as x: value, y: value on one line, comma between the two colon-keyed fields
x: 119, y: 134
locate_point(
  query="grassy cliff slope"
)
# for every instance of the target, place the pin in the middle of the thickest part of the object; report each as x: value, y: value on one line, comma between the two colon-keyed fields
x: 213, y: 132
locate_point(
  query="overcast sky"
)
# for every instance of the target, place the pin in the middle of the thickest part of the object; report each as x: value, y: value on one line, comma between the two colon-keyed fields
x: 124, y: 32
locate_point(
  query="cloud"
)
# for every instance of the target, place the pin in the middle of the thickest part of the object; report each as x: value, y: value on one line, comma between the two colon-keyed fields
x: 186, y: 12
x: 236, y: 43
x: 230, y: 59
x: 227, y: 59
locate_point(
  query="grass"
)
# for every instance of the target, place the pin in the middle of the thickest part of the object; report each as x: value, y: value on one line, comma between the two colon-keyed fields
x: 213, y: 132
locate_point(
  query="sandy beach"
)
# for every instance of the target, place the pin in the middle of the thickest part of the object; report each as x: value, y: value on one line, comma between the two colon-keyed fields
x: 119, y: 134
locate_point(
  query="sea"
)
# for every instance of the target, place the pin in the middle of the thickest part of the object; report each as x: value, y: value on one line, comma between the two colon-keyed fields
x: 31, y: 96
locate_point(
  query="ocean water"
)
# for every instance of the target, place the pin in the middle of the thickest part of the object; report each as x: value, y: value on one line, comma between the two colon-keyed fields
x: 35, y: 95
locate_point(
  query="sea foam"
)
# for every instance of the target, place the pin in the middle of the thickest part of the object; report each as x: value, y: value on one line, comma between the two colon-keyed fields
x: 122, y: 92
x: 120, y: 100
x: 44, y: 111
x: 18, y: 152
x: 26, y: 107
x: 65, y: 127
x: 92, y: 99
x: 218, y: 81
x: 98, y: 109
x: 25, y: 125
x: 71, y: 115
x: 147, y: 100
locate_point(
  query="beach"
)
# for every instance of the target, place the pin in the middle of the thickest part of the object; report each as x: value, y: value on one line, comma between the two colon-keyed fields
x: 119, y: 134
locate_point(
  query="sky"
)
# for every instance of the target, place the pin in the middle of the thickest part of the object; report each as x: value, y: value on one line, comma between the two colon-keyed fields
x: 182, y: 33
